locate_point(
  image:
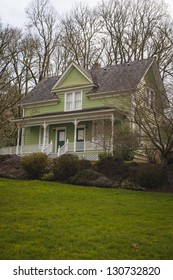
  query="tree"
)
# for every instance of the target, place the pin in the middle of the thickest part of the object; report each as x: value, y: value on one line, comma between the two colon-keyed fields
x: 80, y: 36
x: 153, y: 117
x: 136, y: 30
x: 44, y: 32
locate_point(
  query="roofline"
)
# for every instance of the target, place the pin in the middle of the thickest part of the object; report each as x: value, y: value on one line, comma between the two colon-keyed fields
x: 66, y: 71
x: 152, y: 61
x: 73, y: 88
x: 73, y: 114
x: 38, y: 102
x: 116, y: 92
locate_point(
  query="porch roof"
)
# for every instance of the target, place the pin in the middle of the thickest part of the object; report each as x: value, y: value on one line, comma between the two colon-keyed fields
x: 85, y: 114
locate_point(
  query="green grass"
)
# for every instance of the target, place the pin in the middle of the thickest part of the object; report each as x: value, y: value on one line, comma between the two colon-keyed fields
x: 42, y: 220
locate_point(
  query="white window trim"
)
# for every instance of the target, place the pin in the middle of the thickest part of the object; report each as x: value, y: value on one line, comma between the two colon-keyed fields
x: 73, y: 100
x: 84, y: 127
x: 151, y: 97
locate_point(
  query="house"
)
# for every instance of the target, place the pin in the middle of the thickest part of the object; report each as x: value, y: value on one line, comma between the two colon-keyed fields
x: 71, y: 112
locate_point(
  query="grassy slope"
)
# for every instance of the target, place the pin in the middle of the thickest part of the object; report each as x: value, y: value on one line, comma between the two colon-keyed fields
x: 41, y: 220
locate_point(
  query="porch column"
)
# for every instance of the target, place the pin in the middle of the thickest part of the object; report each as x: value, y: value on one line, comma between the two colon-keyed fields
x: 22, y: 139
x: 44, y: 134
x: 75, y: 133
x: 112, y: 134
x: 18, y: 141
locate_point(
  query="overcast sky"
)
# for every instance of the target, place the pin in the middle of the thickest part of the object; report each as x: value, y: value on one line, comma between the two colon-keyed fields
x: 12, y: 12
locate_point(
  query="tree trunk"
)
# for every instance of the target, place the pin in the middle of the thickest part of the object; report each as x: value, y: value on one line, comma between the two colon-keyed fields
x: 164, y: 164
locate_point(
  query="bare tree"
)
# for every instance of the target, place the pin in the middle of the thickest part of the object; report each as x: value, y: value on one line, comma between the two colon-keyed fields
x: 44, y: 31
x: 136, y: 30
x: 80, y: 38
x: 153, y: 117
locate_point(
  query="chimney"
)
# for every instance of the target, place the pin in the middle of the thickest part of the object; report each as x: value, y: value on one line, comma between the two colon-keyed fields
x: 96, y: 65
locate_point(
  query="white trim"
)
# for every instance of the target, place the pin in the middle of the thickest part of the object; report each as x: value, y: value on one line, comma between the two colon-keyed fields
x: 73, y: 93
x: 60, y: 119
x: 149, y: 96
x: 66, y: 89
x: 66, y: 71
x: 56, y: 136
x: 39, y: 103
x: 101, y: 95
x: 154, y: 59
x: 84, y: 127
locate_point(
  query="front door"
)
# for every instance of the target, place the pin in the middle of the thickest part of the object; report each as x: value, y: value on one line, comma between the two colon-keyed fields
x: 60, y: 138
x: 80, y: 139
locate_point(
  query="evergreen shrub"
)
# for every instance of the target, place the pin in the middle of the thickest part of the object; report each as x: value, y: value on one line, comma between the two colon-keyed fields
x: 35, y: 164
x: 65, y: 166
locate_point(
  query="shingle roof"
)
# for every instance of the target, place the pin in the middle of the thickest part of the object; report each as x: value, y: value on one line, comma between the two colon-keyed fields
x: 42, y: 91
x: 120, y: 77
x: 109, y: 79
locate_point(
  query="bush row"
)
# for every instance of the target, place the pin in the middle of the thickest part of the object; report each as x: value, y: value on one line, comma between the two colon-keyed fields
x: 107, y: 172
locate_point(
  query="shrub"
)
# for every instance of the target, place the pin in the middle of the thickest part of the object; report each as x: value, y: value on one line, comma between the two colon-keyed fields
x: 48, y: 177
x: 150, y: 176
x: 85, y: 177
x: 84, y: 164
x: 126, y: 154
x: 104, y: 155
x: 35, y: 164
x: 113, y: 168
x: 131, y: 186
x: 65, y: 166
x: 103, y: 182
x: 11, y: 168
x: 153, y: 155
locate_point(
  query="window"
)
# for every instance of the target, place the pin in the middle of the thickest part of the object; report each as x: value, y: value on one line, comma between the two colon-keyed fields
x: 149, y: 97
x: 73, y: 101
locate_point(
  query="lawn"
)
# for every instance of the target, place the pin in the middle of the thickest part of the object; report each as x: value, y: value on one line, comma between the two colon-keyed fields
x: 42, y: 220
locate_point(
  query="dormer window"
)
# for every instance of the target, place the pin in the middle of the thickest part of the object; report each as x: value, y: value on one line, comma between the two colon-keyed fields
x: 73, y: 101
x: 149, y: 97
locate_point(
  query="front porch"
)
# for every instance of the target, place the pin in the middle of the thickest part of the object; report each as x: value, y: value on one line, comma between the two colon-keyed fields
x: 85, y: 133
x: 84, y: 150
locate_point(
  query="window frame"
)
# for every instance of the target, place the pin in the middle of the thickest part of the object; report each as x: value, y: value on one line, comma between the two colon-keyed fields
x: 73, y: 106
x: 150, y: 97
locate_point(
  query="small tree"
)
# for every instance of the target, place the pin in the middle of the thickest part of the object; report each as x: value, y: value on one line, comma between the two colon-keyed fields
x: 153, y: 117
x: 126, y: 141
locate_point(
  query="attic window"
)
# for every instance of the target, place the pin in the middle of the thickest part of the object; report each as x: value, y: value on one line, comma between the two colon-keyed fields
x: 149, y: 97
x: 73, y: 101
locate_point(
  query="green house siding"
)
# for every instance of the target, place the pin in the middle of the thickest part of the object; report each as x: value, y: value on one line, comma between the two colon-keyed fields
x: 119, y: 102
x: 72, y: 79
x: 31, y: 135
x: 43, y: 109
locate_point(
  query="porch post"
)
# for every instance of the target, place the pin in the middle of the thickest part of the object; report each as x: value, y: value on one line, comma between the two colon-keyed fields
x: 75, y: 132
x: 44, y: 134
x: 22, y: 140
x: 18, y: 141
x: 112, y: 135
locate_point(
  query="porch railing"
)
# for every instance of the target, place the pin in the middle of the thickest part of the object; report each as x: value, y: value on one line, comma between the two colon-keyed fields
x: 78, y: 147
x: 64, y: 149
x: 68, y: 147
x: 48, y: 149
x: 27, y: 149
x: 8, y: 150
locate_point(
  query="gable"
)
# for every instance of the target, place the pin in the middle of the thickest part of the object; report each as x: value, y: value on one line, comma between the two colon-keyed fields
x: 72, y: 78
